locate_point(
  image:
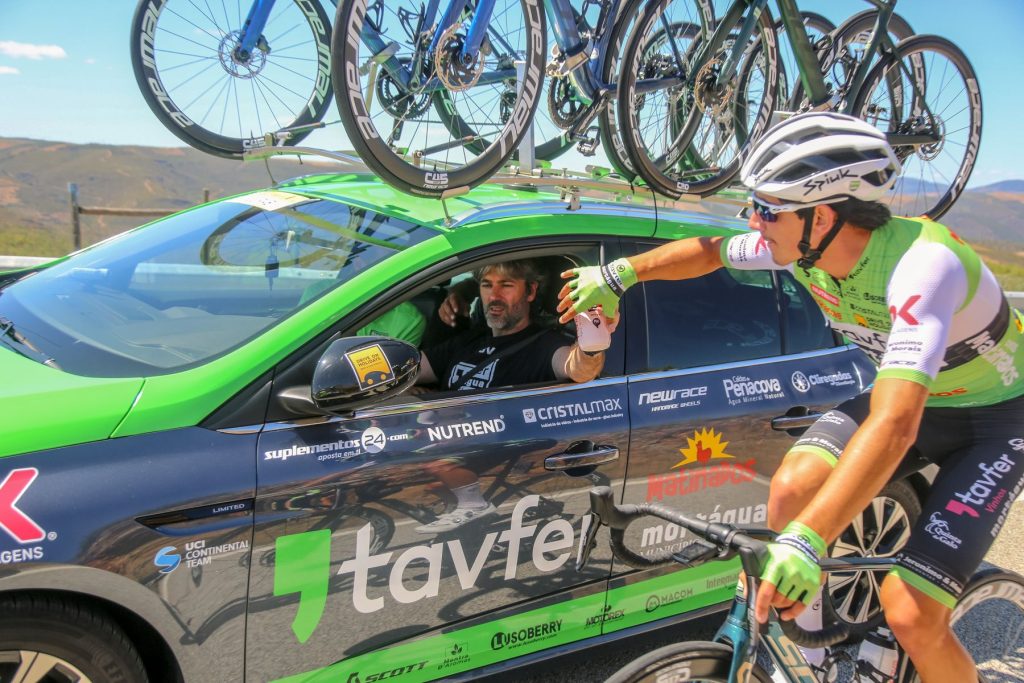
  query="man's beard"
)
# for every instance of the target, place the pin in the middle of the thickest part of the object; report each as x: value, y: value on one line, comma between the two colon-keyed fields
x: 507, y: 318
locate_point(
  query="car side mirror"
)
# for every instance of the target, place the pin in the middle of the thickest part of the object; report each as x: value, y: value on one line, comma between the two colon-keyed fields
x: 358, y: 371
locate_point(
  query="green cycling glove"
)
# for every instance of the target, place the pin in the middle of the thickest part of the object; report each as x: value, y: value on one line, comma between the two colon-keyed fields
x: 601, y: 286
x: 793, y: 562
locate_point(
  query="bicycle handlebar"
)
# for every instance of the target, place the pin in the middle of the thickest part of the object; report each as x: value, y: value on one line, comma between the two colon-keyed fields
x: 719, y: 542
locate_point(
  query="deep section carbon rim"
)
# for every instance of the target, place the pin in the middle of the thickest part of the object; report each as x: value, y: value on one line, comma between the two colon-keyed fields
x: 687, y: 131
x: 444, y: 120
x: 930, y: 108
x: 200, y: 84
x: 989, y: 621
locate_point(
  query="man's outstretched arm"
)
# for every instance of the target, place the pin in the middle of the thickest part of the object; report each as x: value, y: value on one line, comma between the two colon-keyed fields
x: 603, y: 285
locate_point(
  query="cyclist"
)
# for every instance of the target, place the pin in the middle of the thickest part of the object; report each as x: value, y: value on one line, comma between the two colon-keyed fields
x: 949, y: 388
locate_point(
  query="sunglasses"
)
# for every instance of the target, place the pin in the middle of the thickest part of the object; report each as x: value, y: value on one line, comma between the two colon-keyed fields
x: 765, y: 212
x: 769, y: 213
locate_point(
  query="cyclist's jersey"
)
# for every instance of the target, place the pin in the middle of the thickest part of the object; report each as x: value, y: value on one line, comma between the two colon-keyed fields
x: 922, y: 306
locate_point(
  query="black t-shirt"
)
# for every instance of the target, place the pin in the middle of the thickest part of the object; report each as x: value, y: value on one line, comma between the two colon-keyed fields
x: 452, y: 359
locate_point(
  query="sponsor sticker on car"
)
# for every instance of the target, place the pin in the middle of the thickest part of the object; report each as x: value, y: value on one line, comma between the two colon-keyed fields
x: 704, y: 449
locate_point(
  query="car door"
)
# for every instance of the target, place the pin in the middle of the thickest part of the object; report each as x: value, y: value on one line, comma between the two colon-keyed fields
x: 345, y: 579
x: 724, y: 370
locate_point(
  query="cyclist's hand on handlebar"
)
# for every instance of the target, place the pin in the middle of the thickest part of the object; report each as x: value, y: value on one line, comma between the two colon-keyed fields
x: 791, y: 576
x: 595, y: 286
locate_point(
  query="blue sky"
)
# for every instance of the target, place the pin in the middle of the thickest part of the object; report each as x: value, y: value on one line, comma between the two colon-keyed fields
x: 65, y: 73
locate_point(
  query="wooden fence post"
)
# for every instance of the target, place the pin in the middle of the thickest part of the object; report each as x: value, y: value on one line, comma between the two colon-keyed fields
x: 76, y: 226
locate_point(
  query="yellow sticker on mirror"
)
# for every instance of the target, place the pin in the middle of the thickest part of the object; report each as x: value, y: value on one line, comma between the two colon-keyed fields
x: 371, y: 366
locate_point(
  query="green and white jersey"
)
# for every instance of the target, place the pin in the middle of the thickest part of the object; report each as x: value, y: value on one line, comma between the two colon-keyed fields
x: 922, y: 306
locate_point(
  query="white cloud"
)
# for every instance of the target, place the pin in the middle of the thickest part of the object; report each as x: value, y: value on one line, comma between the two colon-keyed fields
x: 90, y: 60
x: 8, y: 70
x: 10, y: 48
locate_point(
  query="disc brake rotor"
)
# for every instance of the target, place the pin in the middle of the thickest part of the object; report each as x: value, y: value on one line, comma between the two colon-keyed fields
x: 930, y: 151
x: 234, y: 64
x: 456, y: 74
x: 711, y: 98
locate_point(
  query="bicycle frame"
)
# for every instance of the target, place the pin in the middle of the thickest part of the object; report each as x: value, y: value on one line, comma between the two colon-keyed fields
x: 254, y: 24
x: 560, y: 17
x: 741, y: 631
x: 807, y: 61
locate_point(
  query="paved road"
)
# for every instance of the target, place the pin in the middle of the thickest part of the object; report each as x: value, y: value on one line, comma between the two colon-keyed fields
x: 598, y: 663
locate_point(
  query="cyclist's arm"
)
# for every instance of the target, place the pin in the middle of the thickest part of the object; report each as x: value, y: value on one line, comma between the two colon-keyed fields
x: 870, y: 458
x: 928, y: 285
x: 679, y: 260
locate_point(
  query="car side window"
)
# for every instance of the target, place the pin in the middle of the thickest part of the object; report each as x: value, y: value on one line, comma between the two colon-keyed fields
x: 804, y: 327
x: 722, y: 317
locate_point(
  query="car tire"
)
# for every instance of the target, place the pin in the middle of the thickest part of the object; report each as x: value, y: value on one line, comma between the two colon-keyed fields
x: 67, y: 642
x: 853, y: 599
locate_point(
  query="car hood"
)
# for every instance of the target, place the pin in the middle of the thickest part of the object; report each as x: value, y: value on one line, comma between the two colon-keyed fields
x: 41, y: 407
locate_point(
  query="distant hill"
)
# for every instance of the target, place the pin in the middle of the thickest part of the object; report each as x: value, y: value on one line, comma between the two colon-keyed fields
x: 1015, y: 186
x: 34, y: 177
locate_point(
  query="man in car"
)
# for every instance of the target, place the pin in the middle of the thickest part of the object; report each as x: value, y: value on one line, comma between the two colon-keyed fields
x: 949, y: 389
x: 511, y: 349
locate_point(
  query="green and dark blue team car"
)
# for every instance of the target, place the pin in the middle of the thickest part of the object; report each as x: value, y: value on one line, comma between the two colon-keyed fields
x: 206, y: 474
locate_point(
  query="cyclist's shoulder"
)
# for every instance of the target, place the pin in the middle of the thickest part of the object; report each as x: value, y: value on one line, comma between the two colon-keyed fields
x: 910, y: 245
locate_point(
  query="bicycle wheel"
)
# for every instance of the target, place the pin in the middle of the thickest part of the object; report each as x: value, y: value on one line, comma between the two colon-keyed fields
x: 557, y: 106
x: 880, y: 530
x: 187, y: 64
x: 684, y: 662
x: 386, y: 85
x: 684, y: 32
x: 989, y: 621
x: 927, y: 91
x: 842, y: 52
x: 608, y: 122
x: 684, y: 132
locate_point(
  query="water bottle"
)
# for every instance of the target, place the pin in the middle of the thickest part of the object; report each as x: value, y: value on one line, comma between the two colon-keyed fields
x: 878, y: 656
x: 591, y: 331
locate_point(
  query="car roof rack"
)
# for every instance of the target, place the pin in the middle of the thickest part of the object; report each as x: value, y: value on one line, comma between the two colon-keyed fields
x: 570, y: 185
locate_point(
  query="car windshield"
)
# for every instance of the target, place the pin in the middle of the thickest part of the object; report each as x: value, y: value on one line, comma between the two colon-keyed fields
x: 196, y: 285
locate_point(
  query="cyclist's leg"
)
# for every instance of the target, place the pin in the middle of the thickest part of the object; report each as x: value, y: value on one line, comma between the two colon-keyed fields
x: 921, y: 625
x: 964, y: 512
x: 811, y: 460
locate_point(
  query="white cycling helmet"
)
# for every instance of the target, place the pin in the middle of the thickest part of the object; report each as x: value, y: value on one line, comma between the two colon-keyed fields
x: 821, y: 158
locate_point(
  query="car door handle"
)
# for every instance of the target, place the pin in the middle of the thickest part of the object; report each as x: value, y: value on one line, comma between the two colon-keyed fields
x: 785, y: 422
x: 567, y: 461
